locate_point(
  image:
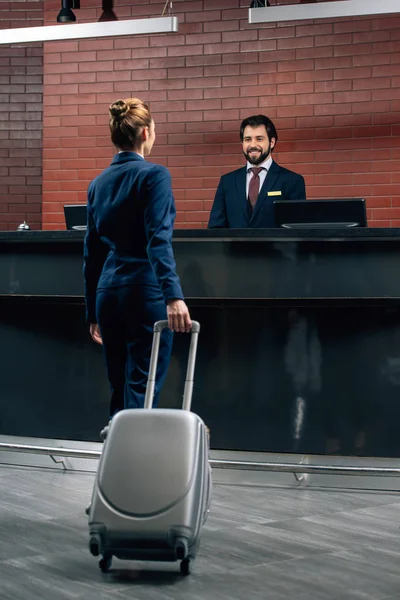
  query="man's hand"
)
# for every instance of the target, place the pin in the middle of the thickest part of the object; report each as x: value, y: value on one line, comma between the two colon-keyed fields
x: 95, y: 333
x: 178, y: 316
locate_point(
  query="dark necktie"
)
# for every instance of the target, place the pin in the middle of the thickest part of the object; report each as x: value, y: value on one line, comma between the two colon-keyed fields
x: 254, y: 185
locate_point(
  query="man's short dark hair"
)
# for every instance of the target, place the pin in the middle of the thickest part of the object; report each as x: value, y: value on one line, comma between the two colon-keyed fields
x: 256, y: 121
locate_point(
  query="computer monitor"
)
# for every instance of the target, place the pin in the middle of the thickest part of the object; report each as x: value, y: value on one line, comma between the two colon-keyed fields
x: 75, y: 216
x: 320, y: 214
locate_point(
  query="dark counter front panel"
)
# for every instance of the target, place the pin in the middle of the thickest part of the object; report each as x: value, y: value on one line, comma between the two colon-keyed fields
x: 278, y: 379
x: 220, y: 265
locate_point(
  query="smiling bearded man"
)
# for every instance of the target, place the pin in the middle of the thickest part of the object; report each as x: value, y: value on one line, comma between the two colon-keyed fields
x: 245, y: 197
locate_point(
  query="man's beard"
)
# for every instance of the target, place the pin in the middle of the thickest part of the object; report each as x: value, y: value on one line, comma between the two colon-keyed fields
x: 254, y: 160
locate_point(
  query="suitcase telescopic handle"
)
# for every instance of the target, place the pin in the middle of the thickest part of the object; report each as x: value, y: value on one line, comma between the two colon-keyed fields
x: 189, y: 381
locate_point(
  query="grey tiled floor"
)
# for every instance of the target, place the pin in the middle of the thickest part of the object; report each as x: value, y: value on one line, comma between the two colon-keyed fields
x: 265, y: 542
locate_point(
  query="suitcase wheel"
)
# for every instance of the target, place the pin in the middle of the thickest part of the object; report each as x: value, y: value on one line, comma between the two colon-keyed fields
x: 185, y: 566
x: 105, y: 564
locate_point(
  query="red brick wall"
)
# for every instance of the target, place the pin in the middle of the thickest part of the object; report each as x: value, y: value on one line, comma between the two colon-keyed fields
x: 21, y: 94
x: 332, y: 89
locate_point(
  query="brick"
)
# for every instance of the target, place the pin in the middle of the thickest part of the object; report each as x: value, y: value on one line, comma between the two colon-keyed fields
x: 92, y: 67
x: 137, y: 89
x: 80, y: 99
x: 211, y: 27
x: 288, y: 111
x: 73, y: 78
x: 282, y: 57
x: 201, y: 60
x: 371, y: 107
x: 307, y: 53
x: 331, y: 180
x: 241, y: 80
x: 204, y: 16
x: 269, y: 78
x: 205, y: 82
x: 222, y: 70
x: 111, y: 76
x: 215, y: 138
x: 51, y: 122
x: 344, y: 97
x: 178, y: 117
x: 388, y: 94
x: 141, y: 53
x: 352, y: 167
x: 153, y: 96
x: 333, y: 40
x: 387, y: 190
x: 261, y: 69
x: 372, y: 59
x: 175, y: 40
x: 250, y: 104
x: 352, y: 73
x: 116, y: 55
x: 78, y: 57
x: 295, y: 88
x: 263, y: 91
x: 222, y: 48
x: 233, y: 14
x: 99, y: 44
x: 321, y: 98
x: 193, y: 94
x: 373, y: 83
x: 61, y: 68
x: 97, y: 152
x: 211, y: 104
x: 61, y: 90
x: 95, y: 88
x: 244, y: 36
x: 377, y: 131
x: 169, y: 84
x: 300, y: 65
x: 385, y: 213
x: 352, y: 120
x: 333, y: 86
x: 333, y: 63
x: 386, y: 166
x: 370, y: 178
x: 302, y: 42
x: 263, y: 46
x: 191, y: 28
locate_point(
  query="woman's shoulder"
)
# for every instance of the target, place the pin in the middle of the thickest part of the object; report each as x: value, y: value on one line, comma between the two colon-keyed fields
x: 156, y: 167
x: 156, y: 170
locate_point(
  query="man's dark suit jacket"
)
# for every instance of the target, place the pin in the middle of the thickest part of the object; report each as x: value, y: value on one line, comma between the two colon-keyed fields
x: 131, y: 212
x: 231, y: 208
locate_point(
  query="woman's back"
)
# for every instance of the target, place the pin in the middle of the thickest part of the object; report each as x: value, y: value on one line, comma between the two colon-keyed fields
x: 131, y: 206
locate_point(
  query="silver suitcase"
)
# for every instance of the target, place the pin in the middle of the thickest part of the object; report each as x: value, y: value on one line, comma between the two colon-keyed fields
x: 152, y: 490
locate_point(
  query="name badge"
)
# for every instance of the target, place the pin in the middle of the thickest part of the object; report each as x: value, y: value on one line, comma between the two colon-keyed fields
x: 274, y: 193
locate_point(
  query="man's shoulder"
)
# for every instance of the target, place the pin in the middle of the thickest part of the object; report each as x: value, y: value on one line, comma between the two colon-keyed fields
x: 287, y: 172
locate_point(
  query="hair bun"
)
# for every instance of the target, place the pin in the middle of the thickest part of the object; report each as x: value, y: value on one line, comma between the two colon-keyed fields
x: 119, y: 109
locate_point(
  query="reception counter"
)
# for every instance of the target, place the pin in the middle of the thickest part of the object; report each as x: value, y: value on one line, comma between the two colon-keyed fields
x: 299, y: 349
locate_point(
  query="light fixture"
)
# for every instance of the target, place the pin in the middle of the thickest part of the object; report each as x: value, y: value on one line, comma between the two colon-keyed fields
x: 49, y: 33
x: 108, y: 14
x: 259, y: 3
x: 322, y: 10
x: 66, y: 15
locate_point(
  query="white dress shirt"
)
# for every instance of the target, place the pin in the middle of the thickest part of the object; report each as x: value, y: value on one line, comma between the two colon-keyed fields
x: 262, y: 174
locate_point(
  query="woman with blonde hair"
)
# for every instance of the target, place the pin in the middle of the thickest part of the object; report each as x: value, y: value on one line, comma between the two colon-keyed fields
x: 129, y: 265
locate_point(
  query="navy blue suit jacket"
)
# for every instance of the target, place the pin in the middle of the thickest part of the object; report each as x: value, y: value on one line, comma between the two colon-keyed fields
x: 231, y: 208
x: 130, y: 218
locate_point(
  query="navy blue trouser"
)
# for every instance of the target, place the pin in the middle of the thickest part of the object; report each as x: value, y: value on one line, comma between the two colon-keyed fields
x: 126, y: 316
